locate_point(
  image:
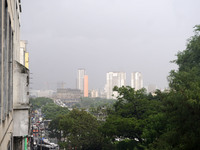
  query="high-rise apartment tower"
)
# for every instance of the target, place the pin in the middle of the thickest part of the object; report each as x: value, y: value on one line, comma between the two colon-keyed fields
x: 114, y: 79
x: 136, y: 80
x: 80, y: 79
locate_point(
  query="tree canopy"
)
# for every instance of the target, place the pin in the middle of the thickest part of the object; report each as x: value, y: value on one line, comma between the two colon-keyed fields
x: 167, y: 120
x: 80, y: 130
x: 39, y: 102
x: 182, y: 105
x: 51, y: 111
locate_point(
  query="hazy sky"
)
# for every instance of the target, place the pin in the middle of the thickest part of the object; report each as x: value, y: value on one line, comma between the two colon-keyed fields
x: 103, y: 36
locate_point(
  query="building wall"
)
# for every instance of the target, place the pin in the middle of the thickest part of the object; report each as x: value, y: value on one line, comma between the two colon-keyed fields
x: 80, y: 79
x: 136, y: 80
x: 68, y: 94
x: 42, y: 93
x: 114, y: 79
x: 24, y: 55
x: 94, y: 93
x: 21, y: 107
x: 27, y: 60
x: 22, y: 51
x: 21, y: 126
x: 86, y: 86
x: 9, y: 44
x: 20, y: 83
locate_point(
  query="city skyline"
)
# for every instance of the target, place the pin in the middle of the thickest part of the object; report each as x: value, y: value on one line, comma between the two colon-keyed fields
x: 81, y: 74
x: 92, y: 75
x: 125, y: 36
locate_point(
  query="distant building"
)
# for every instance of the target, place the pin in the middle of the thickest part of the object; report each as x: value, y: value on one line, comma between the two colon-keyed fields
x: 94, y: 93
x: 82, y: 82
x: 85, y: 86
x: 103, y: 93
x: 42, y: 93
x: 136, y: 80
x: 80, y: 79
x: 151, y: 88
x: 114, y: 79
x: 68, y: 94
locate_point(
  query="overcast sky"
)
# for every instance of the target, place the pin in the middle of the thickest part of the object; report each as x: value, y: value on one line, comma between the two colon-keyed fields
x: 103, y: 36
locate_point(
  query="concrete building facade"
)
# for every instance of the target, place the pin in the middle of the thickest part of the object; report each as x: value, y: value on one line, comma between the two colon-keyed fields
x: 14, y: 80
x: 24, y: 55
x: 9, y: 45
x: 85, y: 86
x: 136, y: 80
x: 21, y: 107
x: 80, y: 79
x: 114, y: 79
x: 94, y: 93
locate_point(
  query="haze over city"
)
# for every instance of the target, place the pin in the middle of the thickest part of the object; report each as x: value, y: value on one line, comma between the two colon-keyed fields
x: 93, y: 75
x: 103, y: 36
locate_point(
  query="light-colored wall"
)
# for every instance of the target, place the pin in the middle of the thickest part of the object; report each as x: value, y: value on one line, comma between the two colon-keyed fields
x: 21, y: 123
x: 114, y: 79
x: 86, y: 86
x: 94, y: 93
x: 6, y: 131
x: 27, y: 60
x: 6, y: 126
x: 23, y: 54
x: 136, y: 80
x: 20, y: 85
x: 80, y: 79
x: 21, y: 108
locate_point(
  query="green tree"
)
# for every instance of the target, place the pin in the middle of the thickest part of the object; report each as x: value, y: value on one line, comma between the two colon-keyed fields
x: 183, y: 101
x: 54, y: 128
x: 51, y: 111
x: 81, y: 131
x: 93, y: 102
x: 39, y: 102
x: 130, y: 117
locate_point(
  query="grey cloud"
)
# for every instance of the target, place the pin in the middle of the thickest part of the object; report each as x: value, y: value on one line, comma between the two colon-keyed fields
x: 105, y: 35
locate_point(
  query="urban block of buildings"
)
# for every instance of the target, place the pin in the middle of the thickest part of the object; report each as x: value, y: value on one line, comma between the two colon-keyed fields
x: 14, y: 80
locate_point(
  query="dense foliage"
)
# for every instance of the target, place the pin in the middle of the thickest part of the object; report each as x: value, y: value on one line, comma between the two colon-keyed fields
x: 136, y: 119
x: 52, y: 110
x: 182, y: 105
x: 167, y: 120
x: 39, y: 102
x: 79, y: 129
x: 94, y: 102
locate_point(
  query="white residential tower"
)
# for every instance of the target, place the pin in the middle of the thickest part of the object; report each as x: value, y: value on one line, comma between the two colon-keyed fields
x: 114, y: 79
x: 136, y: 80
x: 80, y: 79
